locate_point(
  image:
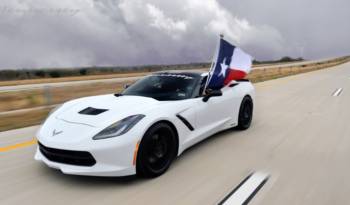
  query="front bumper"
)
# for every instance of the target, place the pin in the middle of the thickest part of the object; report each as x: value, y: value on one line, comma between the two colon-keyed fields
x: 78, y: 158
x: 110, y: 160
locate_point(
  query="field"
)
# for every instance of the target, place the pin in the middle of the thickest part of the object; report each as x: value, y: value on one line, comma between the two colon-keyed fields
x: 30, y: 107
x: 42, y: 75
x: 70, y: 79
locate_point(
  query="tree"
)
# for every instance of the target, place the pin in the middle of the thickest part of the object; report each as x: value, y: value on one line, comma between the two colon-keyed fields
x: 54, y: 74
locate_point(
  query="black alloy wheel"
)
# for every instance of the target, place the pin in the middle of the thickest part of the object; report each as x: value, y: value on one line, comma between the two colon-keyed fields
x: 245, y: 113
x: 158, y: 148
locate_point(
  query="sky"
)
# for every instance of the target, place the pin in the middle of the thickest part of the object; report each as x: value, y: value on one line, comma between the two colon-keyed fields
x: 78, y: 33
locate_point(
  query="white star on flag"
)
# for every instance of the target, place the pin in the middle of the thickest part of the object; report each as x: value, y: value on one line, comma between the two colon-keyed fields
x: 223, y: 68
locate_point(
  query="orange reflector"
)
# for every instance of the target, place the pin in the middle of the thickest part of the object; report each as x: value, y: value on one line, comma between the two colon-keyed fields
x: 135, y: 153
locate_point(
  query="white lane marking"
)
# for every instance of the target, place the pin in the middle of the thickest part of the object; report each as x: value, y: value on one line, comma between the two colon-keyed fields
x: 244, y: 192
x: 337, y: 92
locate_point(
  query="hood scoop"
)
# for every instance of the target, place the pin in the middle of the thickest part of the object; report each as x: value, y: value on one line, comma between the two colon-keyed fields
x: 92, y: 111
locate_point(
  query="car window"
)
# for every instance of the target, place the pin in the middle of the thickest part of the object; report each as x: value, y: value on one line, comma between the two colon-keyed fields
x: 164, y: 86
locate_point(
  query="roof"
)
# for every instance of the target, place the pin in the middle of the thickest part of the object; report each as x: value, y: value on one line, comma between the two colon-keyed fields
x: 184, y: 72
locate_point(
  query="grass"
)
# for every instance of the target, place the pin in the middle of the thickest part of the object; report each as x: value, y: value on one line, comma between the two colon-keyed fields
x: 25, y: 119
x: 51, y: 73
x: 69, y: 79
x: 35, y: 98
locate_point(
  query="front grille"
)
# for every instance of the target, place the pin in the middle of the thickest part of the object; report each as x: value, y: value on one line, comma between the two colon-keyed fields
x: 80, y: 158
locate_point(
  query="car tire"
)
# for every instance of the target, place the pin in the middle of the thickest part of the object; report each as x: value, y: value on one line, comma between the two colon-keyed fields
x: 245, y: 115
x: 157, y: 150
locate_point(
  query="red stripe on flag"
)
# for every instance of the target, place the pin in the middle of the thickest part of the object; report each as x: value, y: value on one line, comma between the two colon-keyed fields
x: 234, y: 74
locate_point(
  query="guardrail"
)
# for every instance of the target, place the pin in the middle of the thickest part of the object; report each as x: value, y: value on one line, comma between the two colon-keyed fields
x: 29, y: 107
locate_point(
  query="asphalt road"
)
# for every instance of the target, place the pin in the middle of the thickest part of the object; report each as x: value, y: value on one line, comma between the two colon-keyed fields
x: 300, y: 136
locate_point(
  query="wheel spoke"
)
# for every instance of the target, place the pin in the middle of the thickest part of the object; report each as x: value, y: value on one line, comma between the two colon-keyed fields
x: 152, y: 159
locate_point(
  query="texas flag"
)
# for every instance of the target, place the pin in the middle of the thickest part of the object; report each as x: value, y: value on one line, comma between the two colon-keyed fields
x: 231, y: 64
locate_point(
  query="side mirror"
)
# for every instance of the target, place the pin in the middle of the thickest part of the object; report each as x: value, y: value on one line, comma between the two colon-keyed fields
x: 211, y: 93
x: 125, y: 86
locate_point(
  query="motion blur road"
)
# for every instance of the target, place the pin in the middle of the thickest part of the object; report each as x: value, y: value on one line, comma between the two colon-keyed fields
x: 300, y: 136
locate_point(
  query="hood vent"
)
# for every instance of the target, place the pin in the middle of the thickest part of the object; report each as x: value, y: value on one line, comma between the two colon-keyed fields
x: 92, y: 111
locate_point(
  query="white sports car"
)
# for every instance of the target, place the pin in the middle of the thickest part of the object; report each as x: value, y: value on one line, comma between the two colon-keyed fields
x: 144, y: 128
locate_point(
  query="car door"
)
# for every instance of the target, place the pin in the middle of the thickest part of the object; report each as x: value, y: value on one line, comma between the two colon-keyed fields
x: 211, y: 115
x: 215, y: 113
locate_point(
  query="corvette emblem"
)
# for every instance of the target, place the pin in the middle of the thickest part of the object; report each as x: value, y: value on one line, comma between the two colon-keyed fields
x: 54, y: 133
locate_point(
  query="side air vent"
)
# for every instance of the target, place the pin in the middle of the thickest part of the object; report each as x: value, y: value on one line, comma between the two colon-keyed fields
x: 183, y: 120
x: 92, y: 111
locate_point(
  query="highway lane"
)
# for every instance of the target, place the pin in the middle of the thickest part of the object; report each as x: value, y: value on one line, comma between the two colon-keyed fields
x: 299, y: 136
x: 119, y: 80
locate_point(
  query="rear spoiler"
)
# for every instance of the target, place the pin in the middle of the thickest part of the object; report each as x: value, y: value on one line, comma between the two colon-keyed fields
x: 236, y: 82
x: 243, y: 80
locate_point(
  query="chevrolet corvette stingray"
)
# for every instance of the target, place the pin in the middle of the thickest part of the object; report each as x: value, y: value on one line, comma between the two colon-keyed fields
x: 144, y: 128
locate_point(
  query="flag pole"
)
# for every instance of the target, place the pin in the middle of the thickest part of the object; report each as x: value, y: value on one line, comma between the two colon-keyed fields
x: 213, y: 62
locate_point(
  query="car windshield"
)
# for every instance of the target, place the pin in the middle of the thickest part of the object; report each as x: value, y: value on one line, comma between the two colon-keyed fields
x: 164, y: 86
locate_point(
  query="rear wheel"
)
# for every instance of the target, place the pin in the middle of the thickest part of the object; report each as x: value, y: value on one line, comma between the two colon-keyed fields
x: 158, y: 149
x: 245, y: 113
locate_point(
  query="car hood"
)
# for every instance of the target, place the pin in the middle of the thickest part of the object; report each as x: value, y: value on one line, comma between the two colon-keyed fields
x: 99, y: 111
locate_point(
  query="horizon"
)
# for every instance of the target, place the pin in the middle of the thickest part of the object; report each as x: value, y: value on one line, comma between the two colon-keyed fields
x: 255, y: 62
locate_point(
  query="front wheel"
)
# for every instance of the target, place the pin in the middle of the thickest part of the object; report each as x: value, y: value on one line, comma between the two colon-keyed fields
x: 158, y: 148
x: 245, y: 113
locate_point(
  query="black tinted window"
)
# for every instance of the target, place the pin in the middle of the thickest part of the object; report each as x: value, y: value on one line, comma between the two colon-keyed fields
x: 164, y: 86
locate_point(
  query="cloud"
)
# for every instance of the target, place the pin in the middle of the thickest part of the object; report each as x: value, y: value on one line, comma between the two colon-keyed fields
x: 313, y: 29
x: 132, y: 32
x: 163, y: 23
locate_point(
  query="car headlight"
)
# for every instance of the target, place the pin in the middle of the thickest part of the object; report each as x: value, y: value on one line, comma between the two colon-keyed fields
x: 119, y: 128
